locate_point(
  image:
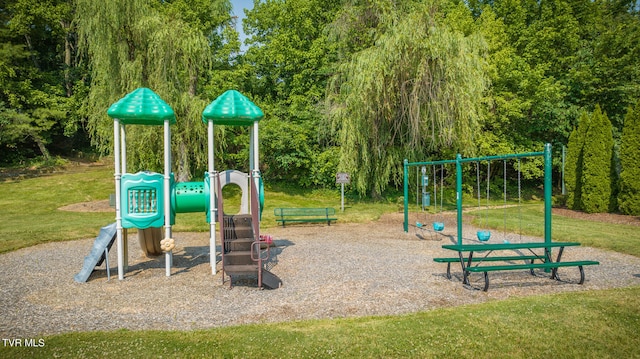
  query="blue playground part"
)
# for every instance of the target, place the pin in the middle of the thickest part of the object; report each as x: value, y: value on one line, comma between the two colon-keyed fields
x: 142, y: 199
x: 484, y: 236
x: 105, y: 240
x: 426, y: 200
x: 438, y: 226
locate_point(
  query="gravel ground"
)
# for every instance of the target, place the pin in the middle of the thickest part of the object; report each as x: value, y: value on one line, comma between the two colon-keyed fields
x: 342, y: 270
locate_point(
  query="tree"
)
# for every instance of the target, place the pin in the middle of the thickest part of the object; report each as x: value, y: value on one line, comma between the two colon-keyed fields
x: 615, y: 66
x: 629, y: 196
x: 531, y: 102
x: 289, y: 158
x: 574, y: 162
x: 35, y: 83
x: 140, y: 43
x: 597, y: 161
x: 417, y: 90
x: 287, y: 66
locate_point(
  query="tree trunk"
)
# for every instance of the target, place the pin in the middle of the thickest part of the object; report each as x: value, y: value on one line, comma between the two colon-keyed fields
x: 67, y: 58
x: 193, y: 81
x: 183, y: 171
x: 41, y: 146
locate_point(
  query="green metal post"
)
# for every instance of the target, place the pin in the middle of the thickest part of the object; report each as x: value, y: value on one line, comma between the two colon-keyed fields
x: 459, y: 196
x: 547, y: 196
x: 406, y: 195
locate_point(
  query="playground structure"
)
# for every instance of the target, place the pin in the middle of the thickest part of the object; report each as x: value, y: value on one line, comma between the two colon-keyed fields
x: 458, y: 161
x: 149, y: 201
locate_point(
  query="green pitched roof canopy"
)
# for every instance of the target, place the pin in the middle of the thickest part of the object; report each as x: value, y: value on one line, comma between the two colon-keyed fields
x: 142, y: 107
x: 232, y: 108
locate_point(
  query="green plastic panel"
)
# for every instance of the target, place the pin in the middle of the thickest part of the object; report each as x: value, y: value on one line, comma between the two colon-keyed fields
x: 232, y: 108
x: 142, y: 107
x: 142, y: 200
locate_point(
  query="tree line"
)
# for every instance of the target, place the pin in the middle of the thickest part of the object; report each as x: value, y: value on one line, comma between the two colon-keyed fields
x: 346, y: 85
x: 599, y: 180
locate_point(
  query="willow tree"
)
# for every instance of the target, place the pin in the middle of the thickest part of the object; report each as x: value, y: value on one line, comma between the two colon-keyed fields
x: 416, y: 91
x: 142, y: 43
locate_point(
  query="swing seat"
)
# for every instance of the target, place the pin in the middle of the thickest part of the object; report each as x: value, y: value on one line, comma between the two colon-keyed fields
x: 438, y: 226
x: 418, y: 224
x: 483, y: 236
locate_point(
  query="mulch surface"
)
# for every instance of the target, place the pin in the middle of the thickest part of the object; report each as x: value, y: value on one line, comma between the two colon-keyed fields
x: 598, y: 217
x: 337, y: 271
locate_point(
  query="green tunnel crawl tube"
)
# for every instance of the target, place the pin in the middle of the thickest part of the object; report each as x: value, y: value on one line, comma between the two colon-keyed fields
x: 188, y: 197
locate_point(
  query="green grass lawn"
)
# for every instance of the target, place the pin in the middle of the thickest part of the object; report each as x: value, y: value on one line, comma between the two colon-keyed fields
x: 278, y: 195
x: 29, y: 207
x: 595, y: 324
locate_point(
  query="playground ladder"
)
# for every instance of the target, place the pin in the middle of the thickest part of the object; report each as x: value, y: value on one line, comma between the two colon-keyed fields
x: 243, y: 253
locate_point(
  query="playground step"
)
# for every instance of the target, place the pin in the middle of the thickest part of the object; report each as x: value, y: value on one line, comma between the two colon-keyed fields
x: 240, y: 240
x: 240, y: 220
x: 241, y: 269
x: 238, y: 257
x: 238, y: 244
x: 238, y: 226
x: 241, y: 233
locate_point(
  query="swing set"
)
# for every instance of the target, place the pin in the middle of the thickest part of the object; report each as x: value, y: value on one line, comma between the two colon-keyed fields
x: 438, y: 224
x: 485, y: 235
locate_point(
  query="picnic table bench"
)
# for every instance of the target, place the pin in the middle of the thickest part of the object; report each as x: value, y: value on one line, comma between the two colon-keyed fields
x: 470, y: 264
x: 305, y: 215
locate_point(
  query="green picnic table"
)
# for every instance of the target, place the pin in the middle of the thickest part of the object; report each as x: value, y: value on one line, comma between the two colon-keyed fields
x: 483, y: 254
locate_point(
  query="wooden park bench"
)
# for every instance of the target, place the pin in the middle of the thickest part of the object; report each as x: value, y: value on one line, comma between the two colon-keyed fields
x: 476, y: 265
x: 305, y: 215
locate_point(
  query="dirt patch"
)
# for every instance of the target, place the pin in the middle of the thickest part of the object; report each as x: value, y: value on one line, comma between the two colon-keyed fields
x: 93, y: 206
x: 598, y: 217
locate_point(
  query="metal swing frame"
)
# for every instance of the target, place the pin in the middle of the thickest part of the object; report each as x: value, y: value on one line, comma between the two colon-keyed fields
x: 438, y: 226
x: 546, y: 154
x: 483, y: 235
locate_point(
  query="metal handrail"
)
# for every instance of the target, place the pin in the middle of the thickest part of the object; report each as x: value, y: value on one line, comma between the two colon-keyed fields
x: 255, y: 221
x: 259, y: 251
x: 220, y: 219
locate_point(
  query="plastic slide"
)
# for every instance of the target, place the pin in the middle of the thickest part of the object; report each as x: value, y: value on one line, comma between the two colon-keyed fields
x: 105, y: 240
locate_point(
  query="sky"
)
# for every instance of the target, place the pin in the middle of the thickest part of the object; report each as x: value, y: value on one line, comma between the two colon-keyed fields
x: 238, y: 10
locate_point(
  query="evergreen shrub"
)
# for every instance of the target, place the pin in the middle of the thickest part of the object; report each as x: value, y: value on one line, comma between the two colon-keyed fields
x: 596, y: 166
x: 573, y: 167
x: 629, y: 195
